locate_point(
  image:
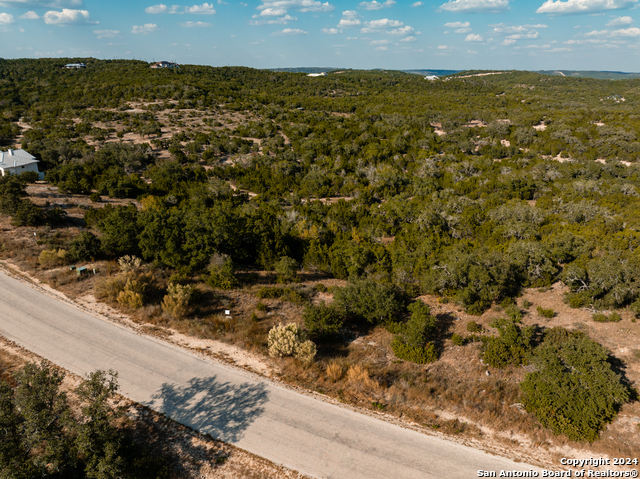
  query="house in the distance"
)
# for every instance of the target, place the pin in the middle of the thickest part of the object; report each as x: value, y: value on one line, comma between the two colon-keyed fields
x: 322, y: 74
x: 164, y: 64
x: 14, y: 162
x: 75, y: 65
x: 431, y: 78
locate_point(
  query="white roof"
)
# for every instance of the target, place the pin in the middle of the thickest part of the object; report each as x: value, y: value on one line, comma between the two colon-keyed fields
x: 16, y: 157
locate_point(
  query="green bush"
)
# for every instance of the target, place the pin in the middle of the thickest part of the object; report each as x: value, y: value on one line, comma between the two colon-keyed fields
x: 474, y: 327
x: 367, y: 302
x: 603, y: 318
x: 85, y: 246
x: 545, y: 313
x: 261, y: 306
x: 574, y: 390
x: 95, y: 197
x: 285, y: 294
x: 512, y: 346
x: 221, y: 273
x: 411, y: 342
x: 457, y: 340
x: 290, y: 340
x: 415, y: 354
x: 322, y: 321
x: 287, y: 270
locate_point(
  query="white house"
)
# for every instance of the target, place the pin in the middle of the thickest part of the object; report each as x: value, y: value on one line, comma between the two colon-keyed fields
x: 323, y: 74
x: 164, y: 64
x: 14, y: 162
x: 431, y: 78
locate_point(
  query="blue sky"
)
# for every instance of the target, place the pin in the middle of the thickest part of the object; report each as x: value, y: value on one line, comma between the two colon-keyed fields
x: 452, y: 34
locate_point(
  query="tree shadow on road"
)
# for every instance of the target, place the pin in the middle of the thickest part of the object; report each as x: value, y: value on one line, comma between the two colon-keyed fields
x: 222, y: 410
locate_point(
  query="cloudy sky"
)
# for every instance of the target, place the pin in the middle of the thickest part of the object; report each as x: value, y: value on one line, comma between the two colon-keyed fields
x: 456, y: 34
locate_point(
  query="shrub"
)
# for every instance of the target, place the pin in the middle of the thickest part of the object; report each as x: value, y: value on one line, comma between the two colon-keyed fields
x: 514, y: 313
x: 287, y: 270
x: 108, y: 289
x: 512, y: 346
x: 286, y: 294
x: 526, y: 304
x: 129, y: 263
x: 178, y: 299
x: 474, y: 327
x: 603, y: 318
x: 322, y: 321
x: 545, y: 313
x: 261, y: 307
x: 334, y: 372
x: 457, y: 340
x: 52, y: 258
x: 95, y: 197
x: 85, y: 246
x: 411, y: 342
x: 221, y: 272
x: 574, y: 390
x: 414, y: 354
x: 290, y: 340
x: 367, y: 301
x: 132, y: 296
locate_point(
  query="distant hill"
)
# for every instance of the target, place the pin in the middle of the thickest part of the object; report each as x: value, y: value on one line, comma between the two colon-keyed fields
x: 604, y: 75
x: 330, y: 69
x: 438, y: 73
x: 304, y: 69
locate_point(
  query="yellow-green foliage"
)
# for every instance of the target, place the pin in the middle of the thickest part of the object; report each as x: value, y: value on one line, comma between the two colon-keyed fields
x: 290, y: 340
x: 132, y: 296
x: 52, y: 258
x: 177, y: 300
x: 135, y: 286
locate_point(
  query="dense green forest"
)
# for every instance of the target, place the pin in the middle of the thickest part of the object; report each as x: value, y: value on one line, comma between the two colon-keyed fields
x: 471, y: 187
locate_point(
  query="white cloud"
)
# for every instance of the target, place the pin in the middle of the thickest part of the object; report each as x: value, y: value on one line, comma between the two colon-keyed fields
x: 473, y: 37
x: 627, y: 32
x: 195, y: 24
x: 508, y: 42
x: 350, y: 18
x: 383, y: 23
x: 583, y: 42
x: 156, y: 9
x: 409, y: 39
x: 302, y: 5
x: 67, y: 17
x: 472, y: 52
x: 331, y: 31
x: 30, y: 15
x: 582, y: 6
x: 272, y: 12
x: 457, y: 25
x: 204, y: 9
x: 471, y: 6
x: 275, y: 21
x: 145, y: 29
x: 382, y: 49
x: 106, y: 33
x: 379, y: 42
x: 595, y: 33
x: 620, y: 21
x: 416, y: 4
x: 406, y: 30
x: 374, y: 5
x: 6, y: 18
x: 290, y: 31
x: 520, y: 36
